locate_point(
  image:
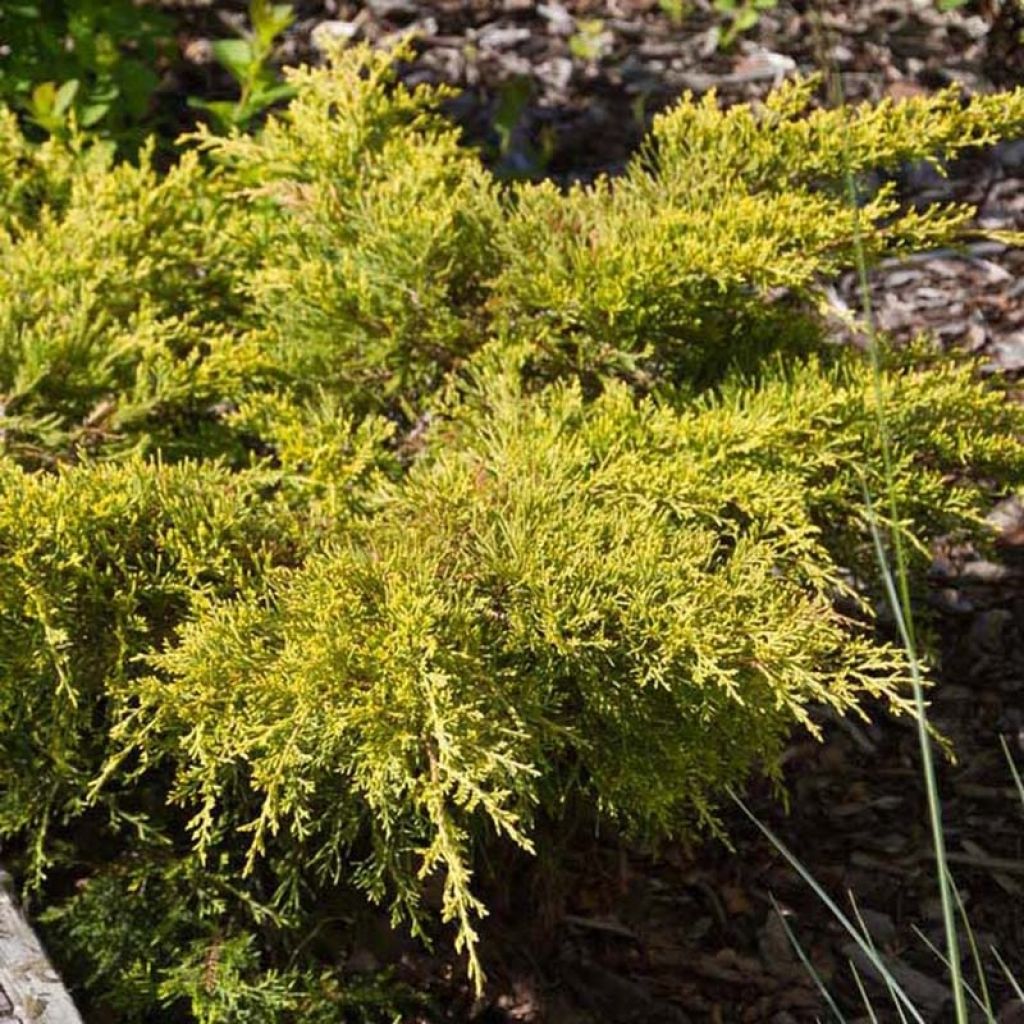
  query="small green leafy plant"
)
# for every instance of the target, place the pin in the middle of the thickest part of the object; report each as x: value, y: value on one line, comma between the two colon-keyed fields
x: 590, y: 41
x: 248, y: 61
x: 87, y: 62
x: 740, y: 16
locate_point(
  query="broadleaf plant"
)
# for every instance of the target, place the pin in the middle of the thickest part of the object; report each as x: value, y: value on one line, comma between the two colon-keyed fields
x: 248, y: 61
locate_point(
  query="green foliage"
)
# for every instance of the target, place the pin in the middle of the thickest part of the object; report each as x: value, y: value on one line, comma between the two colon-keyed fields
x: 247, y: 59
x: 379, y: 226
x: 560, y: 596
x: 677, y: 10
x: 98, y: 564
x: 590, y: 42
x: 676, y: 270
x: 81, y: 62
x: 35, y: 175
x: 356, y: 511
x: 117, y: 300
x: 182, y: 942
x: 514, y: 156
x: 741, y: 16
x: 353, y: 248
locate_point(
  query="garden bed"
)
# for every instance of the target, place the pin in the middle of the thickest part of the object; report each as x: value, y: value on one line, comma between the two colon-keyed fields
x: 613, y: 931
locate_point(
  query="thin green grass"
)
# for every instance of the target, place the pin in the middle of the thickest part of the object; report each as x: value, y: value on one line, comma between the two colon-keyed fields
x: 898, y: 591
x: 1013, y: 769
x: 808, y: 965
x: 864, y: 943
x: 1009, y: 975
x: 893, y: 567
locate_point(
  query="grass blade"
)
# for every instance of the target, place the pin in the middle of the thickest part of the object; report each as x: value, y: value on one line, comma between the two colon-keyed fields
x: 808, y: 966
x: 867, y: 938
x: 866, y: 947
x: 863, y: 994
x: 983, y: 1004
x: 1014, y: 983
x: 1013, y: 768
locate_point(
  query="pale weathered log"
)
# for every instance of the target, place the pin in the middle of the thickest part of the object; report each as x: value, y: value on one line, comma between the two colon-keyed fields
x: 31, y: 991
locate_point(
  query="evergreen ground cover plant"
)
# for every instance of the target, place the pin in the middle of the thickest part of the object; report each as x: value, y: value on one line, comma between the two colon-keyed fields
x: 359, y: 514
